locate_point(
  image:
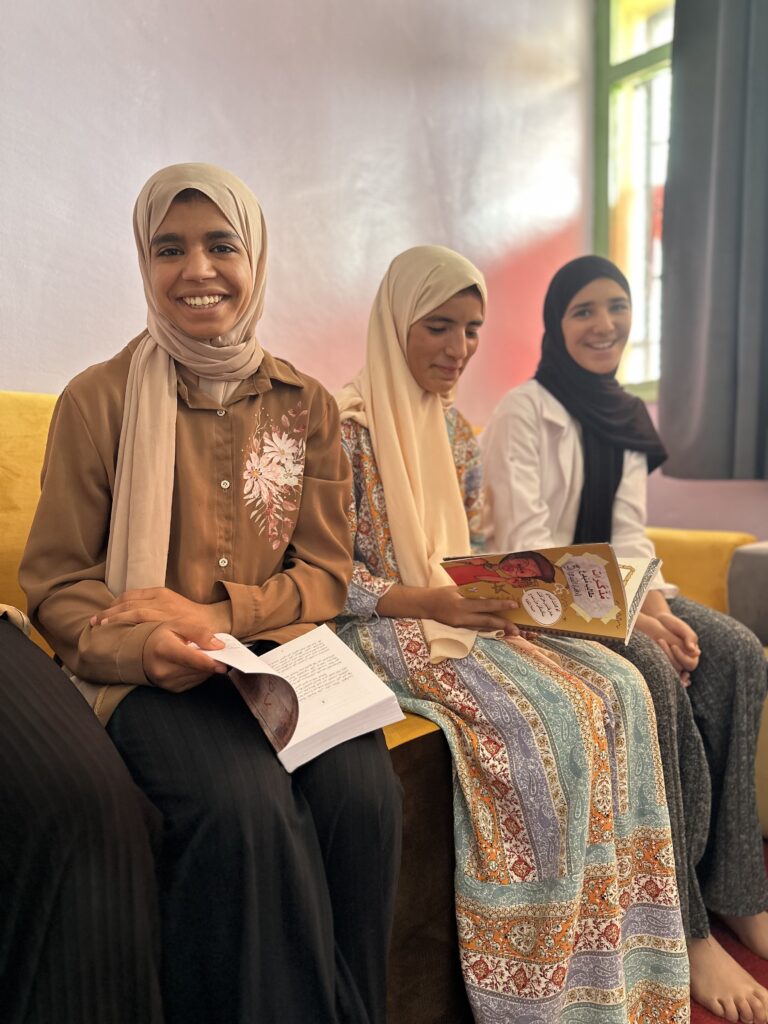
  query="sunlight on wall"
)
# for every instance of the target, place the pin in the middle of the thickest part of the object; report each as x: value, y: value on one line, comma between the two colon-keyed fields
x: 362, y: 128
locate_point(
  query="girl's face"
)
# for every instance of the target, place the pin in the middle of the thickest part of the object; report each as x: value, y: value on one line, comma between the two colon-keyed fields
x: 596, y: 325
x: 199, y: 271
x: 441, y: 344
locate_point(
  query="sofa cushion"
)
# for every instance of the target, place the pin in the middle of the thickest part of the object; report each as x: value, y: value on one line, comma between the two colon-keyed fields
x: 24, y: 420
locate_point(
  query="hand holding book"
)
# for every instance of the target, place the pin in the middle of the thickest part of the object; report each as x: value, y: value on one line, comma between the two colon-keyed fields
x: 308, y: 694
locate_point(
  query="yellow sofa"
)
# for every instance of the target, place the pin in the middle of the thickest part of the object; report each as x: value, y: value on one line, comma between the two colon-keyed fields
x: 24, y: 422
x: 425, y: 980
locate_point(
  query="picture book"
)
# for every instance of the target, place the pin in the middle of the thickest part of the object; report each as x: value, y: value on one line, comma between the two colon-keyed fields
x: 582, y: 589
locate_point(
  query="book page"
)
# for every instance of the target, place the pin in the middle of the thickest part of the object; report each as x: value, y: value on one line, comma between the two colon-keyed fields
x: 236, y: 655
x: 329, y: 680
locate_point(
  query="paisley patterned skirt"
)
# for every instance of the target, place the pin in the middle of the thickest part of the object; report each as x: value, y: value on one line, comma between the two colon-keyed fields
x: 566, y: 898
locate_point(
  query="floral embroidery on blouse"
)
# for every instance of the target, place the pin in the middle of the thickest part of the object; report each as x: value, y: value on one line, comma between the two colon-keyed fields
x: 274, y: 472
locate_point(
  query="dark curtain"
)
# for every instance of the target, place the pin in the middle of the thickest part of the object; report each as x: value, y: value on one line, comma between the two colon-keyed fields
x: 713, y: 392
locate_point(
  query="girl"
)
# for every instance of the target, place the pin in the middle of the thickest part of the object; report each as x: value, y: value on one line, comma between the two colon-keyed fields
x: 566, y: 459
x: 565, y: 893
x: 195, y: 483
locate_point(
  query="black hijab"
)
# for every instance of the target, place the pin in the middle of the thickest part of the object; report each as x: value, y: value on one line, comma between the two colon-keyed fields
x: 611, y: 419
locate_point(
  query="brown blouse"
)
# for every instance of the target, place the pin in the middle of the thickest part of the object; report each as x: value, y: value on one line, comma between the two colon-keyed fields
x: 260, y: 498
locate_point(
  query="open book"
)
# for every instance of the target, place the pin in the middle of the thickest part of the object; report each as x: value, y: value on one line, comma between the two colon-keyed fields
x: 309, y: 694
x: 582, y: 589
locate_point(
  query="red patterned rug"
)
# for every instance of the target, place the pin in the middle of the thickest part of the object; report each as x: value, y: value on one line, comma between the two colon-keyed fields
x: 756, y: 966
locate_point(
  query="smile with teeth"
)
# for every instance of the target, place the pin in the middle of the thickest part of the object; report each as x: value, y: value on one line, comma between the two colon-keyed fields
x: 201, y: 300
x: 601, y: 345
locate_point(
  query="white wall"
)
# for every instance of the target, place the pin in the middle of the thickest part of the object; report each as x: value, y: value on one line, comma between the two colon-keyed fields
x: 363, y: 126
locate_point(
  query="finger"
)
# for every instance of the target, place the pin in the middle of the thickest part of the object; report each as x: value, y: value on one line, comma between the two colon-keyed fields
x: 127, y: 603
x: 195, y: 633
x: 142, y: 594
x: 685, y: 679
x: 690, y: 641
x: 681, y: 630
x: 668, y: 651
x: 112, y: 611
x: 489, y: 622
x: 680, y: 662
x: 668, y: 641
x: 134, y: 616
x: 99, y: 617
x: 685, y: 660
x: 510, y: 630
x: 185, y: 656
x: 493, y: 605
x: 688, y: 634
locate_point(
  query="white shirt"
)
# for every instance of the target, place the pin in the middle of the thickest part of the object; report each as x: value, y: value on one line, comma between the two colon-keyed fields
x: 533, y: 474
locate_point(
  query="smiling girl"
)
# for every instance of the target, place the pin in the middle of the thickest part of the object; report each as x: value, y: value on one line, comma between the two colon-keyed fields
x: 566, y: 459
x: 195, y: 483
x: 565, y: 897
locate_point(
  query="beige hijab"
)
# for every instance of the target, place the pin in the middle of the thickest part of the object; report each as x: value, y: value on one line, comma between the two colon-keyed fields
x: 137, y: 553
x: 425, y: 508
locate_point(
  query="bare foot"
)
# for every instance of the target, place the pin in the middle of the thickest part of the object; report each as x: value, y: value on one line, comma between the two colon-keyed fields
x: 722, y: 986
x: 751, y: 931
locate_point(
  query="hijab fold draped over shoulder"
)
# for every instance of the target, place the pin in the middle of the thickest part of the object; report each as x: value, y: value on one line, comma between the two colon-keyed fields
x: 425, y: 509
x: 611, y: 419
x: 139, y: 533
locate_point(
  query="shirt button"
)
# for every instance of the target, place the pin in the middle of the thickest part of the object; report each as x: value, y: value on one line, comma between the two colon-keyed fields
x: 223, y: 562
x: 225, y: 485
x: 221, y: 412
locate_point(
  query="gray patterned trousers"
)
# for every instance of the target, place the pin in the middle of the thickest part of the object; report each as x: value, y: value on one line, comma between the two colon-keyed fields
x: 708, y: 737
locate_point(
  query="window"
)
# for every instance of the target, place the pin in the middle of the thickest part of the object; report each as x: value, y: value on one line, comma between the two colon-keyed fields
x: 633, y: 83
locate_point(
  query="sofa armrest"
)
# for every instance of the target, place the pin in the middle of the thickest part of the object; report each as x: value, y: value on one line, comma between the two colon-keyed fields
x: 748, y: 588
x: 697, y: 561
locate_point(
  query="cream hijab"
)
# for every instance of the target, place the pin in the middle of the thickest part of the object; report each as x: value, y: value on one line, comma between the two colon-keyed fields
x: 137, y: 552
x: 425, y: 508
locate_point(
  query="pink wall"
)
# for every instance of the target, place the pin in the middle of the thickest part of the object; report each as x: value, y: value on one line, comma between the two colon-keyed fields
x: 709, y: 504
x: 740, y: 505
x: 511, y: 337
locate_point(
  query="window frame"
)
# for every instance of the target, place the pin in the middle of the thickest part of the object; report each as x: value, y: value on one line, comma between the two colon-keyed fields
x: 608, y: 76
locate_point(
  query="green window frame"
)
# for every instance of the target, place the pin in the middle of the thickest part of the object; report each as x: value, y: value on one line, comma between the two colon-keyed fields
x: 607, y: 78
